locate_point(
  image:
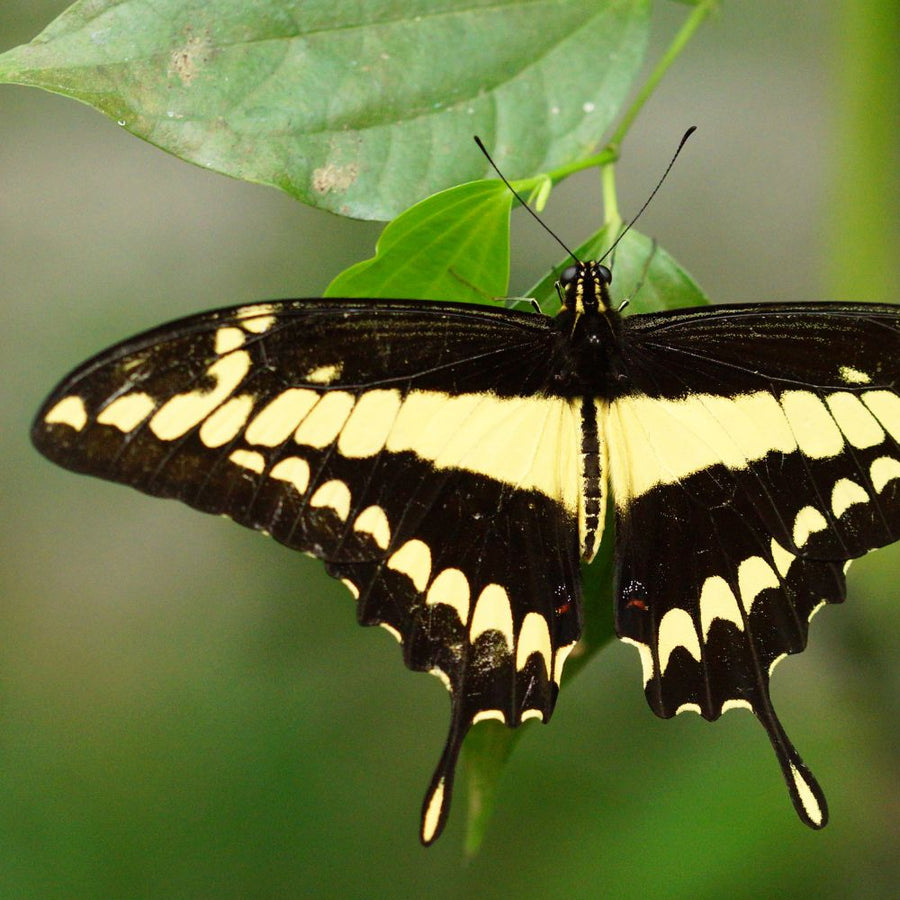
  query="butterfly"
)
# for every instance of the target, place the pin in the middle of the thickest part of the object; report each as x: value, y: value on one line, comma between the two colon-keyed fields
x: 452, y: 464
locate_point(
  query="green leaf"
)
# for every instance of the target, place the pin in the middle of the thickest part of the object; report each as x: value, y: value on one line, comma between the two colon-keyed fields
x: 360, y: 108
x: 643, y: 273
x: 487, y: 748
x: 452, y: 246
x: 664, y: 285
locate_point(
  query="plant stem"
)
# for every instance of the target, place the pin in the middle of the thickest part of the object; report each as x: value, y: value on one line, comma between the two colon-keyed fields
x: 610, y: 153
x: 611, y: 214
x: 694, y: 21
x: 607, y: 155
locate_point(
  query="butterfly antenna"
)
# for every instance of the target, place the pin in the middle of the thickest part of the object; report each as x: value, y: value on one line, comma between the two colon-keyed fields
x: 518, y: 197
x: 659, y: 184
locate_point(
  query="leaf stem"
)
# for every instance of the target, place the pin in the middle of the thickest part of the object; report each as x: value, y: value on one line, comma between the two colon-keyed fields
x: 611, y: 215
x: 693, y: 22
x: 610, y: 153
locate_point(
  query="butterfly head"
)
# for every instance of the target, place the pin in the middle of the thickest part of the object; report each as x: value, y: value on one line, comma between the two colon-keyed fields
x: 584, y: 287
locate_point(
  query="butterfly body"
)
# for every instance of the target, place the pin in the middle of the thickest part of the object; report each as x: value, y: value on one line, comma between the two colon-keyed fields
x: 450, y: 463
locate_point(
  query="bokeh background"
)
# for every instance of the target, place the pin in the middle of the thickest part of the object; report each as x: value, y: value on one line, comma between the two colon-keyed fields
x: 189, y: 710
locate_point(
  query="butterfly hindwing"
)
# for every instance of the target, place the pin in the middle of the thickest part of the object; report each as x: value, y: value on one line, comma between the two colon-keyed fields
x: 404, y: 444
x: 755, y: 453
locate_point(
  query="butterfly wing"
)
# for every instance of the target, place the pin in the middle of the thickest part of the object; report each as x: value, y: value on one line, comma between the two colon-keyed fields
x: 753, y: 455
x: 407, y: 445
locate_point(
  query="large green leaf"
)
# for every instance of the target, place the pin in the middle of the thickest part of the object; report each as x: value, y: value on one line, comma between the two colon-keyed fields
x: 360, y: 108
x: 452, y: 246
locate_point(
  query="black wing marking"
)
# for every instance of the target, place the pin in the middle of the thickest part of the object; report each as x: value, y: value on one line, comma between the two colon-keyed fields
x: 365, y: 435
x: 755, y: 455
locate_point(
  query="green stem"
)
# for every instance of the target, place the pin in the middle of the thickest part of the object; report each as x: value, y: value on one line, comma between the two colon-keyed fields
x: 610, y: 153
x: 694, y: 21
x: 607, y: 155
x: 610, y: 199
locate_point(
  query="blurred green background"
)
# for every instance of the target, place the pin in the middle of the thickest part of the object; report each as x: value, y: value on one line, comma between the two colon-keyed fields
x: 190, y: 710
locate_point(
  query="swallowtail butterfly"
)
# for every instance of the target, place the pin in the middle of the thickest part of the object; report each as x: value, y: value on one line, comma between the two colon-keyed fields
x: 450, y: 464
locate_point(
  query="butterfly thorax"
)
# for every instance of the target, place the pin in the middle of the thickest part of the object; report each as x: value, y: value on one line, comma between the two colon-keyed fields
x: 590, y: 329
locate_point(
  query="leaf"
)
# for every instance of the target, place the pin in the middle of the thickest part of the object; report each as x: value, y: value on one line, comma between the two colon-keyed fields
x: 360, y: 108
x: 487, y: 748
x: 451, y: 246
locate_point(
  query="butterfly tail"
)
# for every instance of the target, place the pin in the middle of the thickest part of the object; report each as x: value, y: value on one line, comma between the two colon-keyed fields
x: 436, y: 805
x: 806, y: 794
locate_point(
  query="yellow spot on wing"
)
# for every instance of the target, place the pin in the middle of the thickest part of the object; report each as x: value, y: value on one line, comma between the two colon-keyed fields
x: 534, y: 637
x: 178, y: 415
x: 334, y: 494
x: 248, y: 459
x: 817, y: 435
x: 854, y: 376
x: 860, y: 427
x: 127, y: 412
x: 373, y: 521
x: 258, y: 324
x: 451, y: 588
x: 69, y: 411
x: 294, y: 470
x: 689, y: 707
x: 254, y: 310
x: 492, y: 613
x: 782, y: 558
x: 324, y: 374
x: 846, y: 493
x: 736, y: 703
x: 755, y: 575
x: 325, y: 421
x: 486, y: 715
x: 883, y: 470
x: 280, y: 417
x: 808, y: 520
x: 413, y: 559
x: 885, y: 406
x: 807, y: 797
x: 432, y: 815
x: 225, y: 423
x: 717, y: 601
x: 676, y: 629
x: 228, y: 338
x: 369, y: 424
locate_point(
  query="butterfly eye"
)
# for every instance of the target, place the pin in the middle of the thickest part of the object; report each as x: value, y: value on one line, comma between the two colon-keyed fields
x: 604, y: 274
x: 568, y: 275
